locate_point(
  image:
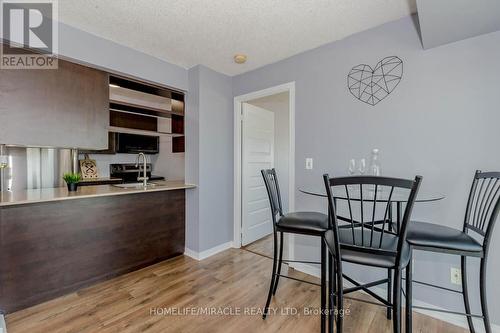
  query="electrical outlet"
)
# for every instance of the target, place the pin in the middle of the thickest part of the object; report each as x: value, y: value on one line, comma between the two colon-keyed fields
x: 309, y: 163
x: 456, y: 276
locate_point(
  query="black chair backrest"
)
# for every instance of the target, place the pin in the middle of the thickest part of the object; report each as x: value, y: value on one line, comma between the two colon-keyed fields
x: 273, y: 191
x: 483, y: 205
x: 360, y: 193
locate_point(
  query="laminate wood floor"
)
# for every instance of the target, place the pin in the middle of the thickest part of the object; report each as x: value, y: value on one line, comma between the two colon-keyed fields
x: 263, y: 247
x: 232, y: 280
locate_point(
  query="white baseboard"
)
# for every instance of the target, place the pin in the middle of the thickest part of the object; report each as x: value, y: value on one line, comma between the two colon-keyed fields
x: 457, y: 320
x: 306, y: 268
x: 207, y: 253
x: 190, y: 253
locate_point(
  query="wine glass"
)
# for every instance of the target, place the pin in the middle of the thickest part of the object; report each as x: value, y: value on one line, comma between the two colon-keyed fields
x: 362, y: 166
x: 352, y: 166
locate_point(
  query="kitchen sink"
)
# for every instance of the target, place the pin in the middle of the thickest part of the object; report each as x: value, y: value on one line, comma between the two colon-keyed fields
x: 136, y: 185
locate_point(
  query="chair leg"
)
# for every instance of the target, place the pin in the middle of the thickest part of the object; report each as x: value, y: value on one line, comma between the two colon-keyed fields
x: 409, y: 297
x: 389, y: 292
x: 323, y: 285
x: 389, y: 271
x: 331, y: 288
x: 334, y: 279
x: 340, y: 296
x: 482, y: 291
x: 396, y: 301
x: 280, y: 262
x: 465, y: 293
x: 270, y: 294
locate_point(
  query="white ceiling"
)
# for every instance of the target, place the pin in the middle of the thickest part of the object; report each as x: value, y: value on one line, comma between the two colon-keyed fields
x: 210, y: 32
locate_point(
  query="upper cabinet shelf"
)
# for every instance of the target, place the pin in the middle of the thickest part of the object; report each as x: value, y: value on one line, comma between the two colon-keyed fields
x: 141, y: 132
x: 126, y: 95
x: 137, y: 99
x: 142, y: 111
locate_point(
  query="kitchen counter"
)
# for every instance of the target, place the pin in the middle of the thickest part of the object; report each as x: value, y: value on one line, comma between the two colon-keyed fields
x: 61, y: 193
x: 54, y: 243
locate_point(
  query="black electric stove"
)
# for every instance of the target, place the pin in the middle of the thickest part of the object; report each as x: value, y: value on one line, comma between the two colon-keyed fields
x: 130, y: 172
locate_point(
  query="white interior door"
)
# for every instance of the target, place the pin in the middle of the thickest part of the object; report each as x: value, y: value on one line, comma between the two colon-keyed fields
x: 257, y: 154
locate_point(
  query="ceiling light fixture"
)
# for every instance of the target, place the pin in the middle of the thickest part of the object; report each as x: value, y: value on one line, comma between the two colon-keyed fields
x: 114, y: 85
x: 240, y: 59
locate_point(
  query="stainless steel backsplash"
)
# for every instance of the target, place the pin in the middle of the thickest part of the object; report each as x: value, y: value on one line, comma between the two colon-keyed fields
x: 32, y: 168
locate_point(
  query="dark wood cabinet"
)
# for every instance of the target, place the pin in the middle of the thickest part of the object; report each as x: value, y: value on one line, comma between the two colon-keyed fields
x: 65, y: 107
x: 178, y: 145
x: 134, y: 121
x: 54, y: 248
x: 177, y: 124
x: 110, y: 150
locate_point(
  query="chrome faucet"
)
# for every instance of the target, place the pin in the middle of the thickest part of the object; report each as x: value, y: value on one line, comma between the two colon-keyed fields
x: 144, y: 178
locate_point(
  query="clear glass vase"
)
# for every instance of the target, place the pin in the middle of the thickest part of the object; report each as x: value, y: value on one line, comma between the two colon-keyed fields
x: 375, y: 163
x: 374, y: 170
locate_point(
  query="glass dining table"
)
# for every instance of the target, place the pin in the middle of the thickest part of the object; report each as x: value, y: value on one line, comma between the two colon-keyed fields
x: 397, y: 198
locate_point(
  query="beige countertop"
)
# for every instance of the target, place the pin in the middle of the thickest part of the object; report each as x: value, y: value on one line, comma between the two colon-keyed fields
x: 22, y: 197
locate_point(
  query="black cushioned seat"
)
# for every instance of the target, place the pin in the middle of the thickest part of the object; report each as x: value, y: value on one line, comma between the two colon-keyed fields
x: 305, y: 223
x: 440, y: 237
x: 369, y: 258
x: 308, y: 223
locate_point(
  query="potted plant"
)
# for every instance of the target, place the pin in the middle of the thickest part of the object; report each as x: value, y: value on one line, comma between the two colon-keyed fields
x: 72, y: 180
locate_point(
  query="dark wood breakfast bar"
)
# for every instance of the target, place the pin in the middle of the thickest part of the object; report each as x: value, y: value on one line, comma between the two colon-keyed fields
x: 53, y: 243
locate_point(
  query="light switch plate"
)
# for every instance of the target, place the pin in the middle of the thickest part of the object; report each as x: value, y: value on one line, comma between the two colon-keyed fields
x: 456, y: 276
x: 309, y: 163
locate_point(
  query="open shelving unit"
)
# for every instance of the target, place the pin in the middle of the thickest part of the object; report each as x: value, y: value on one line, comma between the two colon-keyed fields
x: 144, y: 109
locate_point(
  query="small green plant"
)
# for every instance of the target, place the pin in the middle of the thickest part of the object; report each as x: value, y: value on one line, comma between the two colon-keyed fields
x: 72, y: 178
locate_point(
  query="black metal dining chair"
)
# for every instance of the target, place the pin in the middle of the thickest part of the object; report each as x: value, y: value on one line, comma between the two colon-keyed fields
x: 304, y: 223
x: 483, y: 207
x: 366, y: 238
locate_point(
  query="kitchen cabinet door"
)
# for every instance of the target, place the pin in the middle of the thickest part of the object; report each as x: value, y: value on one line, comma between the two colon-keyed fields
x: 65, y: 107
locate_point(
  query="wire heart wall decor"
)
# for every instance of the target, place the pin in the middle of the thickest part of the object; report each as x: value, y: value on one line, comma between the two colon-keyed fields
x: 373, y: 85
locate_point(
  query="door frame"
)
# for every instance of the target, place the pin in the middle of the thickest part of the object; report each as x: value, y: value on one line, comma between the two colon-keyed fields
x: 238, y: 101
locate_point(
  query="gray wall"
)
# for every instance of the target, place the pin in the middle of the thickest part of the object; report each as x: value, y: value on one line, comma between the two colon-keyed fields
x: 440, y: 122
x: 105, y: 54
x: 192, y: 137
x: 209, y: 156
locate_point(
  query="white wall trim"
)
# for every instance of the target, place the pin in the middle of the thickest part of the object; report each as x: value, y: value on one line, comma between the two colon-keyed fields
x: 207, y: 253
x: 190, y: 253
x: 447, y: 317
x: 306, y: 268
x: 238, y: 100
